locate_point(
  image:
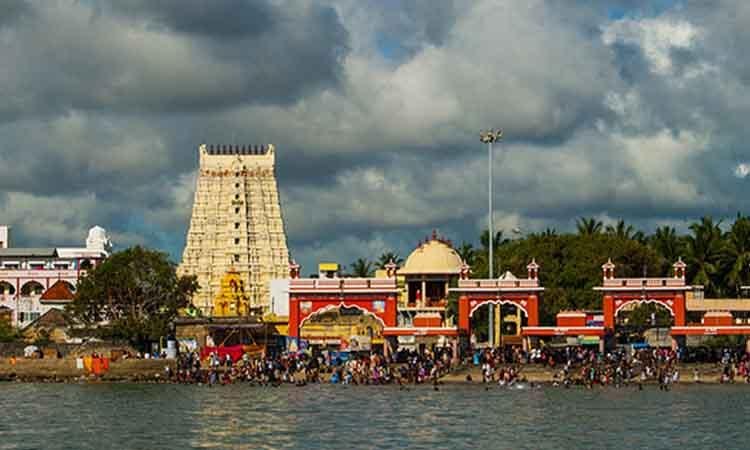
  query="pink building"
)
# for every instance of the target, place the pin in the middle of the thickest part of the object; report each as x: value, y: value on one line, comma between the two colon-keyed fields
x: 35, y: 280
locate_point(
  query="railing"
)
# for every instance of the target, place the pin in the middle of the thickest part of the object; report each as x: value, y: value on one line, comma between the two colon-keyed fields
x: 497, y: 284
x: 644, y: 282
x: 327, y: 284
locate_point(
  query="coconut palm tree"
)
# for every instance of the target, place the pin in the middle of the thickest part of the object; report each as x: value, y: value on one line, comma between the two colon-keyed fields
x: 387, y: 257
x: 467, y: 252
x: 704, y: 249
x: 624, y: 231
x: 361, y: 268
x: 737, y: 253
x: 500, y: 240
x: 589, y: 226
x: 667, y: 243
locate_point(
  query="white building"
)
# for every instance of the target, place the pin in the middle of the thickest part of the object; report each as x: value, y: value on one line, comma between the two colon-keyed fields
x: 35, y: 280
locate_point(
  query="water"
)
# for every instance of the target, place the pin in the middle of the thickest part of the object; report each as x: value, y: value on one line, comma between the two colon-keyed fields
x: 133, y: 416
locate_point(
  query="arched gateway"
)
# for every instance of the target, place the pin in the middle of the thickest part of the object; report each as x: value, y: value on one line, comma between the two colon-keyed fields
x: 522, y: 293
x: 621, y: 292
x: 311, y: 296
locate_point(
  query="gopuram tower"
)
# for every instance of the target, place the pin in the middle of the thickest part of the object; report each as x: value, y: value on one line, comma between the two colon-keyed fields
x: 236, y: 226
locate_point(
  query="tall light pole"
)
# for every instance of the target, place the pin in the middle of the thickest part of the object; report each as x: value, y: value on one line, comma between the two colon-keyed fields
x: 489, y: 137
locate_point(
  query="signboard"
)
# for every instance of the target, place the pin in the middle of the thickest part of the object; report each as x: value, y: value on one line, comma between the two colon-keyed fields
x: 378, y: 306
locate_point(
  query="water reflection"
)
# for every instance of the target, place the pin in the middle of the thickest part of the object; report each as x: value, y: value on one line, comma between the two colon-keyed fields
x: 344, y: 417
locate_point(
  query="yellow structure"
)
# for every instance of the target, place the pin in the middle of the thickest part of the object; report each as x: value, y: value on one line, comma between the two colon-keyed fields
x: 427, y: 273
x: 232, y: 301
x: 236, y: 223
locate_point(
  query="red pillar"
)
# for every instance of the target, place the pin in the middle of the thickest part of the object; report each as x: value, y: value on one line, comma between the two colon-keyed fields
x: 463, y: 314
x: 293, y: 317
x: 608, y: 307
x: 679, y: 310
x: 532, y: 308
x: 390, y: 311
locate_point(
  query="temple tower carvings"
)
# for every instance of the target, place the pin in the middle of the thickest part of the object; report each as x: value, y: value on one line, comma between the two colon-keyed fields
x: 236, y: 224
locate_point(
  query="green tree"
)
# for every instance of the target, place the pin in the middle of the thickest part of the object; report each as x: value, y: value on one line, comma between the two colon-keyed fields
x: 704, y: 248
x: 736, y: 258
x: 589, y: 226
x: 361, y: 268
x: 667, y: 243
x: 8, y: 333
x: 499, y: 240
x: 624, y: 231
x: 387, y: 257
x: 467, y: 252
x: 133, y: 295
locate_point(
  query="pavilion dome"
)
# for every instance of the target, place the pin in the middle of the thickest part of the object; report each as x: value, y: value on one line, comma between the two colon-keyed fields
x: 435, y: 256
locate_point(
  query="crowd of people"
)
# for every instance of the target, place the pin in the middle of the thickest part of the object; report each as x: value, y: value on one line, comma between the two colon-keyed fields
x: 573, y: 365
x: 363, y: 368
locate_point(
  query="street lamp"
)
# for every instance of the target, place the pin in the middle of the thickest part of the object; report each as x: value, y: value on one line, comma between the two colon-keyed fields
x: 489, y: 137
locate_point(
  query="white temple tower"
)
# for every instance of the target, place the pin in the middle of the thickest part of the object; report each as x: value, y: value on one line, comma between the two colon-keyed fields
x: 236, y: 224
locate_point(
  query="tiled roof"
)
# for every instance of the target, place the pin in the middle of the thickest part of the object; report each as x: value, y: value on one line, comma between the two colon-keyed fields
x: 52, y: 318
x: 58, y: 292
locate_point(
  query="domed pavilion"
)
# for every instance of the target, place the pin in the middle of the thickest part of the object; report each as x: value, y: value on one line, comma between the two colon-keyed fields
x: 427, y: 273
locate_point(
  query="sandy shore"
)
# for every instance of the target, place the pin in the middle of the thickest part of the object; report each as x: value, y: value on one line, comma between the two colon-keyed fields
x: 63, y: 370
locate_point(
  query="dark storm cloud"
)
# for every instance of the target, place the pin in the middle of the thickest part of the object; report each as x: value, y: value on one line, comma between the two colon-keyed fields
x: 13, y: 10
x: 70, y: 56
x: 226, y: 19
x: 613, y: 109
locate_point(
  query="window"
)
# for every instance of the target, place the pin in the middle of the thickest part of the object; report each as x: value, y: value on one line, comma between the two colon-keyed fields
x: 237, y: 185
x: 236, y: 196
x: 236, y: 258
x: 236, y: 225
x: 236, y: 210
x: 236, y: 241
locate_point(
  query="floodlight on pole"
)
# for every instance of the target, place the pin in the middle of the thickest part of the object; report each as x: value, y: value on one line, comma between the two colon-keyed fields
x: 489, y: 137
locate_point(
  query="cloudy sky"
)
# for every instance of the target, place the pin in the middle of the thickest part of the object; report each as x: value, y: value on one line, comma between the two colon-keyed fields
x: 614, y: 109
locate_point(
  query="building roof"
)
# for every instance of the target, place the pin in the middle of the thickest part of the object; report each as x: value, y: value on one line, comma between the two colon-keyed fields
x: 82, y: 252
x: 433, y: 257
x: 58, y: 292
x: 29, y: 252
x: 53, y: 318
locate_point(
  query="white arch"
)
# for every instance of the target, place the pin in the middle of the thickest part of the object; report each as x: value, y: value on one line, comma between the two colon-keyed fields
x: 481, y: 303
x: 662, y: 303
x: 340, y: 305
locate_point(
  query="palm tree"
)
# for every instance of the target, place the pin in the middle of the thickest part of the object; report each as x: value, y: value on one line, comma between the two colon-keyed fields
x: 620, y: 230
x: 737, y: 253
x: 667, y: 243
x: 387, y: 257
x: 499, y: 240
x: 467, y: 252
x: 589, y: 227
x: 361, y: 268
x: 549, y: 232
x: 704, y: 249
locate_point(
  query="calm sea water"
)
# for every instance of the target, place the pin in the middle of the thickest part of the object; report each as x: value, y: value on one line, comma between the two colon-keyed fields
x: 131, y: 416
